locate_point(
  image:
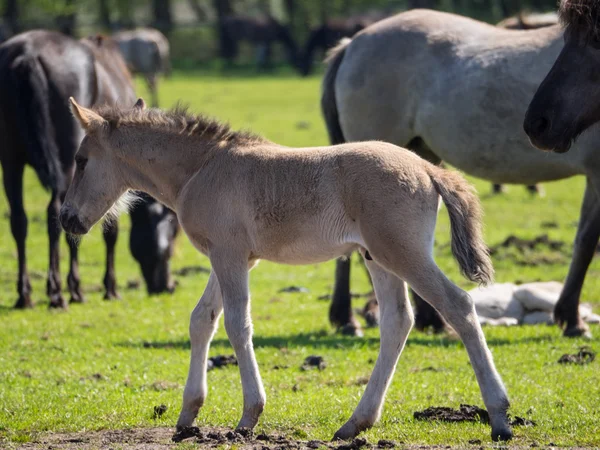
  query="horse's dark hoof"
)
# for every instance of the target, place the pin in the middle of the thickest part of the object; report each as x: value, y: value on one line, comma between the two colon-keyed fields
x: 58, y: 302
x: 77, y: 298
x: 351, y: 329
x: 24, y: 302
x: 581, y: 330
x: 504, y: 434
x: 185, y: 433
x: 112, y: 295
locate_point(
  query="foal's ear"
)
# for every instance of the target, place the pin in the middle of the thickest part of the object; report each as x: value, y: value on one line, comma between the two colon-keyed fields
x: 140, y: 104
x: 88, y: 119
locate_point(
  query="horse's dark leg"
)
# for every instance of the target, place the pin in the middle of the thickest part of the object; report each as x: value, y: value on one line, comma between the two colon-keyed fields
x: 151, y: 81
x: 340, y: 311
x: 13, y: 187
x: 110, y: 232
x: 497, y: 188
x: 54, y: 285
x: 566, y: 311
x: 535, y: 189
x: 73, y: 279
x: 425, y: 314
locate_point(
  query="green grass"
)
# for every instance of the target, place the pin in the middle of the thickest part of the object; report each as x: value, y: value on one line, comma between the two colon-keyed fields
x: 107, y: 364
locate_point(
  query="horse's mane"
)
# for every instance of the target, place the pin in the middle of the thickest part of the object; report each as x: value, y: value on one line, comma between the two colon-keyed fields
x: 177, y: 120
x: 581, y: 17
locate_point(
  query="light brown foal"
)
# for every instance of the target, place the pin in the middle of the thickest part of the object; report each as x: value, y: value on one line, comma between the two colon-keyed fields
x: 241, y: 198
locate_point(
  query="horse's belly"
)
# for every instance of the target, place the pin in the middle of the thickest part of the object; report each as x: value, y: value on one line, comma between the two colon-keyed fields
x: 307, y: 251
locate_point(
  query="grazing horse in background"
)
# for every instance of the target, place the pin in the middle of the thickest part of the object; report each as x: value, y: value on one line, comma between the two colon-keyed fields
x: 260, y: 31
x: 327, y: 35
x: 241, y: 198
x: 146, y: 51
x: 37, y: 69
x: 402, y: 80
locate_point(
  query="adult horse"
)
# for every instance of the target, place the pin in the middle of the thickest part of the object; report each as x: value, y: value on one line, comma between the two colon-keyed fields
x: 260, y: 31
x: 454, y: 89
x: 529, y: 21
x: 146, y: 51
x: 37, y: 69
x: 567, y: 101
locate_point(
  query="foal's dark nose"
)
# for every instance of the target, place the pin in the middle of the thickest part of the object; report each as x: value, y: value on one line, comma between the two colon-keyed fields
x: 71, y: 223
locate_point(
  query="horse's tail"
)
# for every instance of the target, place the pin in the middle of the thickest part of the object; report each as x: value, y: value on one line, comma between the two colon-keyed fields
x: 464, y: 210
x: 328, y: 100
x: 30, y: 92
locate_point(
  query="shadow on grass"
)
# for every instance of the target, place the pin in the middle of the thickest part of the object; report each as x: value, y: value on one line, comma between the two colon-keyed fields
x: 323, y: 339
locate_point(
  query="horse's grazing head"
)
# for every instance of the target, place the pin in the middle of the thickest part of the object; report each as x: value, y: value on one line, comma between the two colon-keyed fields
x: 98, y: 183
x: 152, y: 239
x: 567, y: 102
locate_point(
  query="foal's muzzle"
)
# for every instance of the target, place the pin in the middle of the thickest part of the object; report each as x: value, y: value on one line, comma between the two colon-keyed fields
x: 71, y: 222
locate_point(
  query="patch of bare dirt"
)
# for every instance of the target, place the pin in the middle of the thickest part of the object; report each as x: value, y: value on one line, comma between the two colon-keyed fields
x: 205, y: 437
x: 466, y: 413
x: 540, y: 250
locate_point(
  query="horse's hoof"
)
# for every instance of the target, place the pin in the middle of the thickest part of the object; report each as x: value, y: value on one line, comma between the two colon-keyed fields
x: 503, y: 434
x: 351, y: 329
x: 347, y: 432
x: 185, y: 433
x: 581, y: 330
x: 58, y: 301
x: 112, y: 296
x: 77, y: 297
x: 24, y: 303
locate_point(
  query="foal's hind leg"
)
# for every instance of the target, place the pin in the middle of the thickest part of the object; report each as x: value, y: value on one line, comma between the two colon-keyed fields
x: 457, y: 307
x: 110, y: 233
x: 395, y: 324
x: 54, y: 284
x: 203, y: 325
x: 13, y: 186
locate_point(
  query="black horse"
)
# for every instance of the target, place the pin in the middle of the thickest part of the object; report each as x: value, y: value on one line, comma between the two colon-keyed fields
x: 327, y: 35
x: 260, y: 31
x: 39, y: 71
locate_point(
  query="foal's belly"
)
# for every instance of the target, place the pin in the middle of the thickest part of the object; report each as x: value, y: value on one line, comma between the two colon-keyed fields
x: 305, y: 251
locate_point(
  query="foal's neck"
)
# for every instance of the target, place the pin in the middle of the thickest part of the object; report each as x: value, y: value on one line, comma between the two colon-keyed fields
x: 161, y: 163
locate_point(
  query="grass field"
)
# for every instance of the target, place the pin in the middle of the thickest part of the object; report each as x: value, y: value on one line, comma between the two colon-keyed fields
x: 105, y: 365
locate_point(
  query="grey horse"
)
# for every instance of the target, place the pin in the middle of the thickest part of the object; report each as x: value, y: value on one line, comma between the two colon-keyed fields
x: 146, y: 51
x: 456, y: 90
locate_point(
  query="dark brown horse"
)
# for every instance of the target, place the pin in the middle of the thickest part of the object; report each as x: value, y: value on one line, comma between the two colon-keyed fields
x: 259, y: 31
x: 327, y: 35
x: 39, y: 70
x: 567, y: 102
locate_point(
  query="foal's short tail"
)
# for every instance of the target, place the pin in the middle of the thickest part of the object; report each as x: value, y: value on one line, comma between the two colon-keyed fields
x: 328, y: 101
x: 464, y: 209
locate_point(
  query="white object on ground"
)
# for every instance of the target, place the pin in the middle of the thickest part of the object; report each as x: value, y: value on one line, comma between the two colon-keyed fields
x: 530, y: 303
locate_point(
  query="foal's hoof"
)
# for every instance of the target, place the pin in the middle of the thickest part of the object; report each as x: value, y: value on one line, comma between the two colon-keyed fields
x: 185, y: 433
x: 503, y: 434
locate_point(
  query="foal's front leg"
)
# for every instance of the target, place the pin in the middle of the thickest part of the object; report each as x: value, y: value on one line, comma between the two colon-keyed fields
x: 203, y: 325
x: 396, y: 322
x: 232, y: 271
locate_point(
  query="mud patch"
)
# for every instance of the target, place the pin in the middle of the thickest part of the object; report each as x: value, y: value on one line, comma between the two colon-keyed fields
x: 221, y: 361
x: 312, y: 362
x: 190, y: 270
x: 538, y: 251
x: 585, y: 355
x: 466, y: 413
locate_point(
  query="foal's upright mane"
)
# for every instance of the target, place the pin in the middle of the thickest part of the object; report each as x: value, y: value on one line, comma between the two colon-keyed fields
x: 177, y: 121
x: 581, y: 17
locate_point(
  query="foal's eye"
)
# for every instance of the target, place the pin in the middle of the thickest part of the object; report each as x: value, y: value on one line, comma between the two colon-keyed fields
x: 80, y: 162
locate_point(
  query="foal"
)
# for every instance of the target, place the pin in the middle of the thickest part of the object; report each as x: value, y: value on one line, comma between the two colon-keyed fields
x: 241, y: 198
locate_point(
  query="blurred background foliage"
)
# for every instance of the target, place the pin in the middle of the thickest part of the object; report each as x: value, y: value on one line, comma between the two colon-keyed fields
x: 190, y: 24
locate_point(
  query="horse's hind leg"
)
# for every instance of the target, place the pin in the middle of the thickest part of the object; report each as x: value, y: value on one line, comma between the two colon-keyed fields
x: 395, y: 324
x: 457, y: 307
x: 54, y: 284
x: 340, y: 311
x: 151, y: 81
x: 203, y: 325
x: 13, y: 187
x: 110, y: 232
